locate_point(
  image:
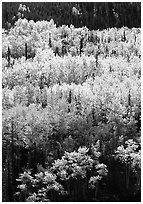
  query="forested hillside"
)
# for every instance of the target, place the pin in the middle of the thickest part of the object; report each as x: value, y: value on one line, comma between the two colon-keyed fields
x: 93, y: 15
x: 71, y: 105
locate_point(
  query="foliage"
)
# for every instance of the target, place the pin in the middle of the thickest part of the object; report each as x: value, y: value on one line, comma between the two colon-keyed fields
x: 37, y: 188
x: 71, y: 98
x: 69, y: 39
x: 130, y: 155
x: 73, y: 165
x: 103, y: 14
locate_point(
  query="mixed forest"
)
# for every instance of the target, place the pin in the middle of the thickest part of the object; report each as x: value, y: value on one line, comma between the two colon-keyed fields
x: 71, y: 102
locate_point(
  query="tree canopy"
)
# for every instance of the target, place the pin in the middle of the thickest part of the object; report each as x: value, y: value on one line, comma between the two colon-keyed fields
x: 94, y: 15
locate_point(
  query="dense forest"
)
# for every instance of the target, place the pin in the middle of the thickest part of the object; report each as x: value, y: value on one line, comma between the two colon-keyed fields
x: 93, y: 15
x: 71, y: 102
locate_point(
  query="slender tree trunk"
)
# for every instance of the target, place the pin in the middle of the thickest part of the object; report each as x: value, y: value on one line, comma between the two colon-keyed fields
x: 26, y: 55
x: 8, y: 56
x: 127, y: 176
x: 96, y: 190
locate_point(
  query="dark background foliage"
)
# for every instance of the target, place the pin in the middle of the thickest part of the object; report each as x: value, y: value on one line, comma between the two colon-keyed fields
x: 94, y: 15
